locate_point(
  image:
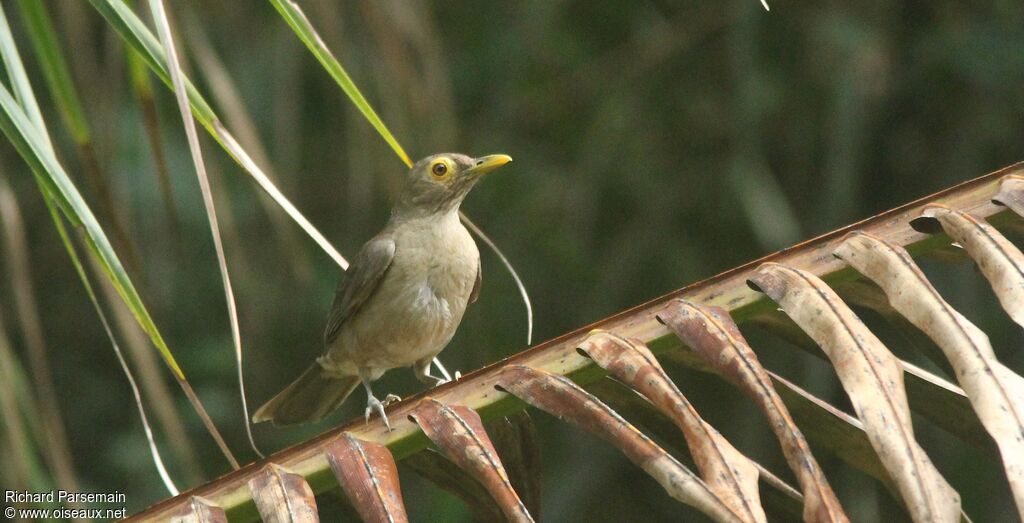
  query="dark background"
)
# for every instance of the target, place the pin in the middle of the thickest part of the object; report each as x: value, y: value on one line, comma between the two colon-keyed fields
x: 656, y: 143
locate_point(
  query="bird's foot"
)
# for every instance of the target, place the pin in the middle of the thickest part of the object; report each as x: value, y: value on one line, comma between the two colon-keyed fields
x: 373, y: 404
x: 444, y: 372
x: 391, y: 398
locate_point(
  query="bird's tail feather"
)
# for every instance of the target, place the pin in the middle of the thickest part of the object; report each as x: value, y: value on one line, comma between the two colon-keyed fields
x: 311, y: 397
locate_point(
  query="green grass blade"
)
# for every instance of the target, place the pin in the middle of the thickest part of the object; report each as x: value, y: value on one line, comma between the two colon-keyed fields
x: 80, y: 270
x: 141, y: 40
x: 25, y: 136
x: 159, y: 13
x: 15, y: 250
x: 27, y: 99
x: 55, y: 69
x: 27, y: 132
x: 523, y: 293
x: 143, y: 89
x: 34, y: 145
x: 65, y: 96
x: 297, y: 20
x: 24, y: 468
x: 17, y: 76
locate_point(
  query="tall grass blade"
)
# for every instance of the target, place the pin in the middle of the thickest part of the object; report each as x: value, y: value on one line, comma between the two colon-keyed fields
x: 297, y: 20
x: 226, y: 96
x: 163, y: 26
x: 24, y: 470
x: 58, y: 80
x: 140, y: 39
x: 15, y: 249
x: 32, y: 141
x: 143, y: 89
x: 55, y: 69
x: 511, y: 270
x: 147, y: 364
x: 18, y: 78
x: 76, y: 261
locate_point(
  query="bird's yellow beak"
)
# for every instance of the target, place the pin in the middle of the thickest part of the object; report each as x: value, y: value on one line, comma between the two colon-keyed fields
x: 486, y: 164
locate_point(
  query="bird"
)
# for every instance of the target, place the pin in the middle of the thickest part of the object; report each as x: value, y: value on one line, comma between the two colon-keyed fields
x: 401, y: 299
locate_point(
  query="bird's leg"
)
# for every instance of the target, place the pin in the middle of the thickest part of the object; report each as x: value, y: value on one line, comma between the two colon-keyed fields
x: 422, y: 371
x: 372, y: 404
x: 444, y: 371
x: 441, y: 369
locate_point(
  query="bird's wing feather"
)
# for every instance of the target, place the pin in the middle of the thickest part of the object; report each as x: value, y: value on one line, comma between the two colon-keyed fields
x: 359, y: 283
x: 475, y: 293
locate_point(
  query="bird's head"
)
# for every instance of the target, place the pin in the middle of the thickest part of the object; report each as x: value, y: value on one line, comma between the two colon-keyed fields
x: 439, y: 183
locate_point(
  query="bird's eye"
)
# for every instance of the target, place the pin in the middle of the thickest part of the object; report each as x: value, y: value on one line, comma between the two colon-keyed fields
x: 440, y: 169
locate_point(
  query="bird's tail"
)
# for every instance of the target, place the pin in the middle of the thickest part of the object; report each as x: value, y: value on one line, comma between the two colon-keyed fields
x: 309, y: 398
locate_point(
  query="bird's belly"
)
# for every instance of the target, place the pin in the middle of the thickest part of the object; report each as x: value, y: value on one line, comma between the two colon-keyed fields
x: 422, y: 327
x: 419, y: 304
x: 410, y: 322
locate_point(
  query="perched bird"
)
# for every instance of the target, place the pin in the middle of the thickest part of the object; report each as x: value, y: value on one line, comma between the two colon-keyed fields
x: 402, y: 298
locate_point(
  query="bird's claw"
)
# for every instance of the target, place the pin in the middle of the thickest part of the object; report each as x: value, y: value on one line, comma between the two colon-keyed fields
x: 391, y: 398
x: 373, y: 404
x: 449, y: 379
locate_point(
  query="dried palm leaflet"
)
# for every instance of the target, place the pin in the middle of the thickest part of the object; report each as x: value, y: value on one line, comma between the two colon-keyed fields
x: 283, y: 496
x: 199, y: 510
x: 1011, y: 193
x: 563, y: 399
x: 995, y: 391
x: 517, y: 442
x: 935, y: 398
x: 459, y: 434
x: 821, y: 423
x: 873, y: 379
x: 368, y: 475
x: 999, y: 260
x: 728, y: 473
x: 711, y: 333
x: 439, y: 470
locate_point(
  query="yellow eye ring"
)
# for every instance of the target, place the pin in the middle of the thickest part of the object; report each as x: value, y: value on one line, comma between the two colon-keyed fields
x: 441, y: 169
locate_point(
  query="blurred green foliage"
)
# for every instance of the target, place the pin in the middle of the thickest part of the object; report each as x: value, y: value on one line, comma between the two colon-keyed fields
x: 656, y: 143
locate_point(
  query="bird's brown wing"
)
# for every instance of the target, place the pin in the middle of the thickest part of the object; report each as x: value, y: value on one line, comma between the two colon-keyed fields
x: 359, y: 283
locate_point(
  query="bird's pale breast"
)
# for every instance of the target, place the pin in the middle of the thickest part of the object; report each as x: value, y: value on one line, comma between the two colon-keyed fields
x: 419, y: 304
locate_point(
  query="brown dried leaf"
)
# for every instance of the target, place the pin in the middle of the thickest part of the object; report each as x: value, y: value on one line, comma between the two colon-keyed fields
x: 995, y: 391
x: 710, y: 332
x: 728, y: 290
x: 1011, y: 193
x: 199, y: 510
x: 440, y: 471
x: 459, y: 435
x: 863, y: 292
x: 872, y: 378
x: 727, y: 472
x: 562, y: 398
x: 282, y: 496
x: 781, y: 501
x: 366, y: 472
x: 935, y: 398
x: 1000, y: 262
x: 516, y: 440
